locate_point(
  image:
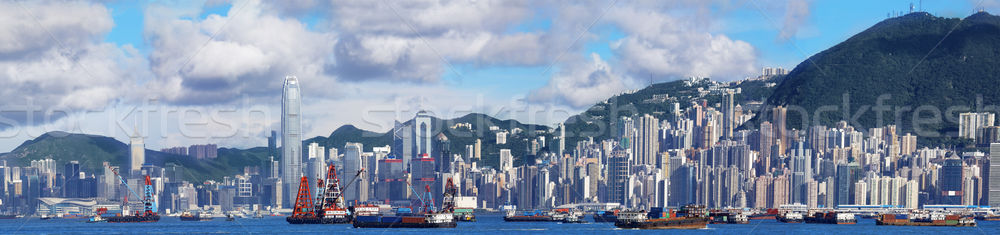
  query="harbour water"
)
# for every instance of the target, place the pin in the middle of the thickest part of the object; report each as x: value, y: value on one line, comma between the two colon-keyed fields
x: 487, y: 224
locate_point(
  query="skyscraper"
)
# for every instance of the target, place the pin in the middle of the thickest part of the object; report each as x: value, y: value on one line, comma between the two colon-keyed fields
x: 778, y: 114
x: 994, y: 176
x: 618, y: 176
x: 137, y: 153
x: 728, y: 114
x: 646, y: 141
x: 291, y: 139
x: 354, y: 162
x: 421, y: 136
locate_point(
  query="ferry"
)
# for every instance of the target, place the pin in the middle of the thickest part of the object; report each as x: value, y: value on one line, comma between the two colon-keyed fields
x: 691, y: 217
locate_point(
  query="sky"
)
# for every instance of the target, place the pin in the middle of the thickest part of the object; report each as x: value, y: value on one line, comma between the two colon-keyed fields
x: 194, y: 72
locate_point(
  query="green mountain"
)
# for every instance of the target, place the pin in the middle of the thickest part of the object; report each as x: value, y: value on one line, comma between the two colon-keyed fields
x: 92, y: 150
x: 920, y: 65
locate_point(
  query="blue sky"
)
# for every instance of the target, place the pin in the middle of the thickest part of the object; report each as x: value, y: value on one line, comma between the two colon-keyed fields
x: 362, y: 57
x: 829, y: 22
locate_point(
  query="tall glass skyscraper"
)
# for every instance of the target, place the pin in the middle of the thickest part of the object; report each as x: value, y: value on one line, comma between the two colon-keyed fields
x: 291, y: 140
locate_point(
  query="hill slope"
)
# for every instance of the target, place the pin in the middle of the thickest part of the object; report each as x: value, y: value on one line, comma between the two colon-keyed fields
x: 938, y: 66
x: 92, y: 150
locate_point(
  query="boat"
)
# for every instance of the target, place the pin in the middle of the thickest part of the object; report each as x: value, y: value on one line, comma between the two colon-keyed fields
x: 988, y: 217
x: 329, y: 207
x: 143, y: 218
x: 148, y: 214
x: 726, y: 217
x: 426, y: 218
x: 465, y: 215
x: 230, y: 217
x: 606, y: 216
x: 569, y: 216
x: 831, y: 218
x: 530, y: 216
x: 925, y: 219
x: 96, y: 219
x: 790, y: 217
x: 690, y: 217
x: 8, y: 216
x: 45, y: 217
x: 201, y: 216
x: 768, y: 214
x: 303, y: 210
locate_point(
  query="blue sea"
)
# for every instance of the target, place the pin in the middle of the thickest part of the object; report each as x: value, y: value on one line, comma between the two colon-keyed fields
x: 487, y: 224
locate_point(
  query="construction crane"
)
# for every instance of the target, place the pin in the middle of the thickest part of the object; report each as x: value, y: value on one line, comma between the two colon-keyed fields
x: 132, y: 192
x: 448, y: 200
x: 330, y: 194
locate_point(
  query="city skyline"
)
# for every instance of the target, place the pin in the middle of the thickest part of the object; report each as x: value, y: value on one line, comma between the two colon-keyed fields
x: 424, y: 113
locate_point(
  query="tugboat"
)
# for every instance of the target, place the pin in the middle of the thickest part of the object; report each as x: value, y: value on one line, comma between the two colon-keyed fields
x: 925, y: 219
x: 465, y: 215
x: 831, y: 218
x: 790, y: 217
x: 690, y: 217
x: 606, y: 216
x: 427, y: 218
x: 149, y: 211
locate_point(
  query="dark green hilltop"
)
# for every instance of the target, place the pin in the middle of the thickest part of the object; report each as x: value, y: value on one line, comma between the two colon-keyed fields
x: 915, y: 62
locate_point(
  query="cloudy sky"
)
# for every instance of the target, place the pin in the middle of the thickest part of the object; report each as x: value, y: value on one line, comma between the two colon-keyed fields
x: 187, y: 72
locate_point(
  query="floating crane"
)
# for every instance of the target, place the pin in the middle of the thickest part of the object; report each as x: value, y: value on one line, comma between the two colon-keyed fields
x: 149, y: 207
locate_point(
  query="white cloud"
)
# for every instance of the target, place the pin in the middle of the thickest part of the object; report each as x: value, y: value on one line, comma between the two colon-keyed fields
x: 251, y: 52
x: 580, y: 83
x: 52, y: 60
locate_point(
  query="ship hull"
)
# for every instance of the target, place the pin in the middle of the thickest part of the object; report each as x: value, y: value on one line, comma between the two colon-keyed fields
x: 605, y: 218
x: 358, y: 224
x: 529, y: 219
x: 304, y: 220
x: 133, y: 219
x: 913, y: 223
x: 787, y: 220
x: 685, y: 223
x: 195, y: 218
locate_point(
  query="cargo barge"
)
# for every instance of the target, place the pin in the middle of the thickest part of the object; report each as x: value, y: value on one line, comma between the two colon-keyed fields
x: 831, y: 218
x: 725, y: 217
x: 768, y: 214
x: 426, y: 218
x: 188, y: 216
x: 691, y: 217
x: 529, y: 216
x: 433, y: 220
x: 934, y: 219
x: 790, y: 217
